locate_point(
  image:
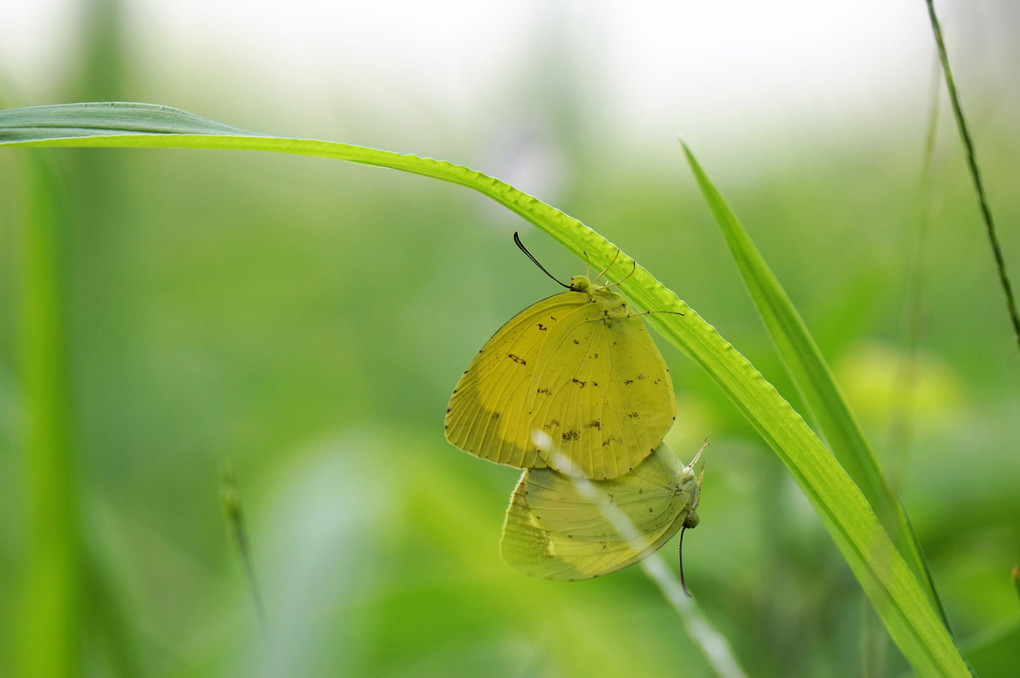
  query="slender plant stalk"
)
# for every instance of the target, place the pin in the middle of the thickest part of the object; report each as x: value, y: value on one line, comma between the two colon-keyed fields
x: 906, y: 378
x: 230, y: 497
x: 51, y: 606
x: 874, y: 643
x: 975, y: 174
x: 713, y: 645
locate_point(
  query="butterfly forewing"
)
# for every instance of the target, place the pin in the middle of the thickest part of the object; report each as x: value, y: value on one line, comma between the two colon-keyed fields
x: 488, y: 413
x: 602, y: 393
x: 592, y: 382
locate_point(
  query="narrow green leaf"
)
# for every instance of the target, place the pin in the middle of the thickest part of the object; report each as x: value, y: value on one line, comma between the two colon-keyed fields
x: 104, y: 118
x: 49, y: 622
x: 894, y: 591
x: 811, y: 375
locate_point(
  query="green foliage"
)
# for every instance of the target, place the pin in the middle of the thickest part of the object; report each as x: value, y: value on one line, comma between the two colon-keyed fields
x: 50, y: 599
x: 421, y: 537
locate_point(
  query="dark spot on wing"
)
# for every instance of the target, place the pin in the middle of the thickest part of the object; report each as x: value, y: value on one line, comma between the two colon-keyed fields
x: 594, y: 424
x: 580, y: 384
x: 628, y: 382
x: 544, y: 391
x: 572, y: 434
x: 633, y: 415
x: 516, y: 358
x: 576, y: 341
x: 542, y: 327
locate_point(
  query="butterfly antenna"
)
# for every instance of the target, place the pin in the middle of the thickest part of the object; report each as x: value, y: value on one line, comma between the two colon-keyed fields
x: 606, y: 269
x: 683, y: 582
x: 624, y: 278
x: 520, y: 245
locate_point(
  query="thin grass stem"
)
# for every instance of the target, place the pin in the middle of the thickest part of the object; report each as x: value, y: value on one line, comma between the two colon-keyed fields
x: 972, y: 165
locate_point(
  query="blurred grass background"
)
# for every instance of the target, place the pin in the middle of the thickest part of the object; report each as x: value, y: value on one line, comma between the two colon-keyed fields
x: 213, y: 317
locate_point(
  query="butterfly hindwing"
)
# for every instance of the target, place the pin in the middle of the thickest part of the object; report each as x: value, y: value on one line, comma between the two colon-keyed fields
x: 559, y: 527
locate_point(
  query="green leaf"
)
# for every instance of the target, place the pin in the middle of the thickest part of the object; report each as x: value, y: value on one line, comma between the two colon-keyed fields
x: 50, y: 619
x: 815, y: 382
x: 885, y: 576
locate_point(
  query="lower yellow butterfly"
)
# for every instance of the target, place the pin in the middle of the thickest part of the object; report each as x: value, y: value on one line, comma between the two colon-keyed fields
x: 577, y: 371
x: 568, y: 528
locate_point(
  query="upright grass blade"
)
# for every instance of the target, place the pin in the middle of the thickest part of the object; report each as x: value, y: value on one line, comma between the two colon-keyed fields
x: 49, y: 618
x: 811, y: 375
x: 893, y: 589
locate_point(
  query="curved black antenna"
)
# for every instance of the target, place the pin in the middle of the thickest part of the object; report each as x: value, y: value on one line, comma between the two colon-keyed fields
x: 520, y: 245
x: 683, y: 582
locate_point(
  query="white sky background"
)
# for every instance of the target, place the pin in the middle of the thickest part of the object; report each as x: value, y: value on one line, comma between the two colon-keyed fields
x: 729, y: 73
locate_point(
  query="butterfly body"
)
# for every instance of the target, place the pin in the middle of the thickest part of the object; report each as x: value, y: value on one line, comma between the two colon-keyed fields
x: 576, y: 375
x: 569, y: 528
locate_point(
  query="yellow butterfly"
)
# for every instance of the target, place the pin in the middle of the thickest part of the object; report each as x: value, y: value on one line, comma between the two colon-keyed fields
x: 577, y: 370
x: 568, y: 528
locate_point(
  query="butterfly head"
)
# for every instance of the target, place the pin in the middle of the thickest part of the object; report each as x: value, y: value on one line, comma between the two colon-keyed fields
x: 580, y: 283
x: 690, y: 486
x: 692, y: 519
x: 690, y: 483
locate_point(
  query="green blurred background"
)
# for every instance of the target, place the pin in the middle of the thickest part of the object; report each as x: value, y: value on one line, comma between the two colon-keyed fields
x: 304, y: 321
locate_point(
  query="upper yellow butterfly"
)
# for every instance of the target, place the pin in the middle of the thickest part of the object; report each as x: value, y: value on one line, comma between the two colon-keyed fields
x: 575, y: 375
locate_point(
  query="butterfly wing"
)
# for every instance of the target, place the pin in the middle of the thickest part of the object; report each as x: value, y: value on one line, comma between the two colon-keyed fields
x: 564, y: 377
x: 490, y: 411
x: 602, y: 392
x: 559, y: 527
